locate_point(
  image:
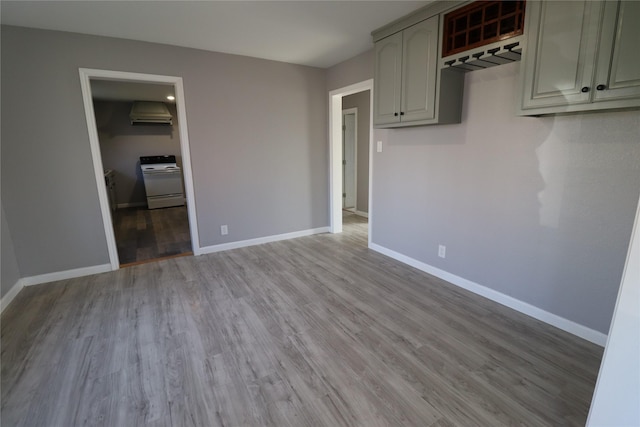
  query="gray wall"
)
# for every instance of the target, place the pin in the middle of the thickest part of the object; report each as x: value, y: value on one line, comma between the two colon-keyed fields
x: 540, y: 209
x: 257, y: 132
x: 9, y: 265
x: 362, y: 102
x: 122, y: 145
x: 354, y: 70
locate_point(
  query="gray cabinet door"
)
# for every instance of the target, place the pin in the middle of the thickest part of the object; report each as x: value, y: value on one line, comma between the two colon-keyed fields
x: 419, y: 68
x: 387, y: 80
x: 561, y: 44
x: 618, y: 69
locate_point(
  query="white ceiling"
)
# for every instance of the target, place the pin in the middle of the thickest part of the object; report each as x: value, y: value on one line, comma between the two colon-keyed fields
x: 314, y: 33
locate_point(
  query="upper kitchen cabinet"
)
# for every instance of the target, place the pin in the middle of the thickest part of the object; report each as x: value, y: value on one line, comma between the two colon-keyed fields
x: 387, y: 80
x: 408, y: 81
x: 618, y: 72
x: 580, y: 56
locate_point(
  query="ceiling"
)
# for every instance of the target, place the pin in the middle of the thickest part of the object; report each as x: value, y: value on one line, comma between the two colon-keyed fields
x: 314, y: 33
x: 109, y: 90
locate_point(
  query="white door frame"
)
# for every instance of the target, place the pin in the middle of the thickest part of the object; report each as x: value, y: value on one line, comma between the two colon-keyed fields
x: 353, y: 111
x: 335, y: 152
x: 86, y: 74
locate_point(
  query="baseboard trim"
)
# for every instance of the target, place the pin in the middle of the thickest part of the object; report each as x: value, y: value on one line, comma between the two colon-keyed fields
x: 67, y: 274
x: 11, y: 294
x: 570, y: 326
x: 363, y: 214
x: 260, y: 240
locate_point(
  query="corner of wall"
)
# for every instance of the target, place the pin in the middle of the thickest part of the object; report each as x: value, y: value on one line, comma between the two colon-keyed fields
x: 11, y: 294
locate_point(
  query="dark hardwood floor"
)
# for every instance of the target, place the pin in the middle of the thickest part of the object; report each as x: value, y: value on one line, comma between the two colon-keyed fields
x: 315, y: 331
x: 143, y: 234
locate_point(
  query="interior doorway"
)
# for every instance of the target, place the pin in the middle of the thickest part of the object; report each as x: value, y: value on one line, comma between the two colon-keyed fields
x: 336, y: 182
x: 349, y: 158
x: 86, y: 78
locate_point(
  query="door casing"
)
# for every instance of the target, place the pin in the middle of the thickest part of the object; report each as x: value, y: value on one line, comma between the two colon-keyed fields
x: 335, y: 154
x: 88, y: 74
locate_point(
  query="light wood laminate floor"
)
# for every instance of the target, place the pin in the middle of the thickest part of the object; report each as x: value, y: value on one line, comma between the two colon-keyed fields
x: 316, y: 331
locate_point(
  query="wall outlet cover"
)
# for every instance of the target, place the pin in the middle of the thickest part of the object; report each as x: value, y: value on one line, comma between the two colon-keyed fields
x: 442, y: 251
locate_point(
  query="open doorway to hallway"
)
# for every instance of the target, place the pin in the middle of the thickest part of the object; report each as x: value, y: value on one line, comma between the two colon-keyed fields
x: 355, y: 148
x: 355, y: 165
x: 349, y: 156
x: 350, y: 105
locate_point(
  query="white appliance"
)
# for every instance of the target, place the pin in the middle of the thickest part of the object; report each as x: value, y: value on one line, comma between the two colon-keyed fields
x: 162, y: 181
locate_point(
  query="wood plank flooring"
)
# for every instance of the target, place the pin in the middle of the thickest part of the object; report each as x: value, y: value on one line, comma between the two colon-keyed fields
x: 315, y: 331
x: 143, y: 234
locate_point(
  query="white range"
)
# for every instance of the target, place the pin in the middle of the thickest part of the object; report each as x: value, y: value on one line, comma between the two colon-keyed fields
x: 162, y: 181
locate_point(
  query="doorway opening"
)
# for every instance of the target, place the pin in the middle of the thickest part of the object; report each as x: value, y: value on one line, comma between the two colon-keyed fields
x: 349, y: 159
x: 342, y: 177
x: 152, y: 234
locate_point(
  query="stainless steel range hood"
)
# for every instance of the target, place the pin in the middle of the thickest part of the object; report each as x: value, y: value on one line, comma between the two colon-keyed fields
x: 147, y: 112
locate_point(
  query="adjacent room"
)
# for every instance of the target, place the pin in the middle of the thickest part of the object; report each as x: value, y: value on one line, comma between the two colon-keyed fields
x: 354, y: 213
x: 140, y: 150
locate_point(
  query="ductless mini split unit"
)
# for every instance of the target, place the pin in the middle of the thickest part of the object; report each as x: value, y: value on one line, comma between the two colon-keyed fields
x: 150, y: 113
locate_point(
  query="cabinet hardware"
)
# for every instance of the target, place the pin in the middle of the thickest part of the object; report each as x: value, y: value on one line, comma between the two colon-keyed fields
x: 601, y: 87
x: 585, y: 89
x: 395, y: 114
x: 402, y: 113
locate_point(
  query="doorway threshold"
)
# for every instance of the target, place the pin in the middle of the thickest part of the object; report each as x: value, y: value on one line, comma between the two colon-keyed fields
x: 147, y: 261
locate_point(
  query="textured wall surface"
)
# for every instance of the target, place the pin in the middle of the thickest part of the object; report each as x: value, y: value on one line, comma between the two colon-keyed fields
x: 354, y: 70
x: 540, y: 209
x: 257, y: 133
x: 9, y: 271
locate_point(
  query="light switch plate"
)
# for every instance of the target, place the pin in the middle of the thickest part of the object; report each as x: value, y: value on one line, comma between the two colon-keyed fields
x: 379, y: 147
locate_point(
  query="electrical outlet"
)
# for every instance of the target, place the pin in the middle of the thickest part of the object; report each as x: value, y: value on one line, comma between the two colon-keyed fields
x: 224, y: 230
x: 442, y: 251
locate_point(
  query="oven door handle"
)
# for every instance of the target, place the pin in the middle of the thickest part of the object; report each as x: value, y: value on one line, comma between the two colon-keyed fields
x: 161, y: 172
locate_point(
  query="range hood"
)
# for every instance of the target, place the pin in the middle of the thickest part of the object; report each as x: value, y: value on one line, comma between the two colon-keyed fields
x: 148, y: 112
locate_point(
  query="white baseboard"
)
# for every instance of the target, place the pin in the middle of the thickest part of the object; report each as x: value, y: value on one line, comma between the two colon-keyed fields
x: 260, y: 240
x: 131, y: 205
x: 67, y: 274
x: 9, y: 296
x: 360, y: 213
x: 570, y: 326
